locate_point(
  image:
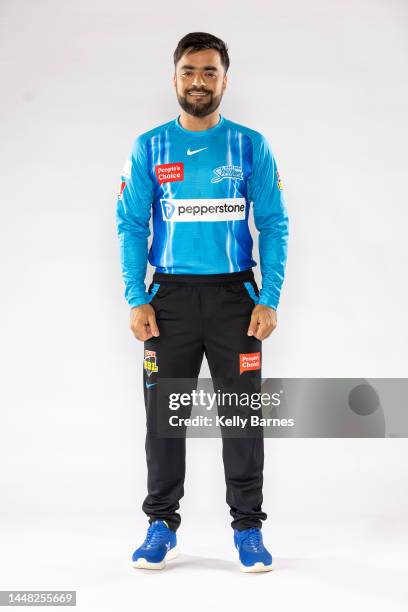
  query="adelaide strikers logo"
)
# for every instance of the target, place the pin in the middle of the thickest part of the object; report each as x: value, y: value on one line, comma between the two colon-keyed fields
x: 168, y: 208
x: 150, y: 362
x: 227, y: 172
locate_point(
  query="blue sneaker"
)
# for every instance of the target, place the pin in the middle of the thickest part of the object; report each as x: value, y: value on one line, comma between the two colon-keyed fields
x: 159, y: 546
x: 252, y: 553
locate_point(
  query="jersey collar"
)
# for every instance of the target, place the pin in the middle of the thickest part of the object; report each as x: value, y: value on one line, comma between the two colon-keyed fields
x: 199, y: 133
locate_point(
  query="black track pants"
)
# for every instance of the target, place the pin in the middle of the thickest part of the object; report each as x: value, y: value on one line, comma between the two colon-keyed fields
x: 197, y: 315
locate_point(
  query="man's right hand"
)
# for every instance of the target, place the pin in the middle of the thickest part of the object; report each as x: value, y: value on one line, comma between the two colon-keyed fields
x: 143, y: 322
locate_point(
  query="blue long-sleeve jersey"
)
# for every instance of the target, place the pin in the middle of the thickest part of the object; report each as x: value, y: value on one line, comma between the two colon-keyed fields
x: 198, y: 186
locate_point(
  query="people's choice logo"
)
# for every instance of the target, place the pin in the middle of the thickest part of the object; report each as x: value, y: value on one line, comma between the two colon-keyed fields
x: 168, y: 173
x: 227, y: 172
x: 202, y: 209
x: 249, y: 361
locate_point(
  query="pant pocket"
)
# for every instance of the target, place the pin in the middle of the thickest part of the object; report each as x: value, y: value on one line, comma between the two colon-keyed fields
x: 252, y: 290
x: 152, y: 291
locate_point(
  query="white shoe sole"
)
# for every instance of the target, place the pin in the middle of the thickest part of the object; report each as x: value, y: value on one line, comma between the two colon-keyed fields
x: 257, y: 567
x: 141, y: 563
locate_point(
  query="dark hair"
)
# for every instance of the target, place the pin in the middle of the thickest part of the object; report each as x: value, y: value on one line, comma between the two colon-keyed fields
x: 196, y: 41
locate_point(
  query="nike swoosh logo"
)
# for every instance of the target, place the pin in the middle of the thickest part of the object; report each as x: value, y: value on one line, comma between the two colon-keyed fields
x: 150, y: 385
x: 189, y: 152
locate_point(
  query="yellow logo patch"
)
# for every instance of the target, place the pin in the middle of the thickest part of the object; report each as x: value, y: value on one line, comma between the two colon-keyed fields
x: 150, y: 362
x: 280, y: 186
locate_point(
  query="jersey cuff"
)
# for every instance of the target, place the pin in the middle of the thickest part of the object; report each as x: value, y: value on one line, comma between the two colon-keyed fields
x: 135, y: 302
x: 265, y: 301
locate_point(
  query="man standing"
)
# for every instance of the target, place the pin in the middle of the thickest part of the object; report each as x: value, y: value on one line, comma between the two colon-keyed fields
x: 197, y: 176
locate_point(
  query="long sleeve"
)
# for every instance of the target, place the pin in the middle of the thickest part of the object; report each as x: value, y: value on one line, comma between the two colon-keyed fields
x: 132, y: 218
x: 271, y: 220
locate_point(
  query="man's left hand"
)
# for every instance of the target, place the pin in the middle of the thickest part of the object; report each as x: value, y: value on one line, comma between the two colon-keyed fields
x: 263, y: 322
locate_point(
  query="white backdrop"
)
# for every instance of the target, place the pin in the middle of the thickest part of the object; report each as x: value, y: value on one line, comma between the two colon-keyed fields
x: 326, y: 83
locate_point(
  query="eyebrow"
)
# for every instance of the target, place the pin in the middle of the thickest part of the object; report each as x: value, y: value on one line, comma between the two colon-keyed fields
x: 189, y: 66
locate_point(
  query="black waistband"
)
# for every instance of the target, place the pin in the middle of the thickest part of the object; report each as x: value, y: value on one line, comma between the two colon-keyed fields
x: 203, y: 279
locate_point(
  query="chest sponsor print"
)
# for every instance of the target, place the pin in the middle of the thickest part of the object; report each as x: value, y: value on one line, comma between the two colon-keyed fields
x: 169, y: 173
x: 203, y: 209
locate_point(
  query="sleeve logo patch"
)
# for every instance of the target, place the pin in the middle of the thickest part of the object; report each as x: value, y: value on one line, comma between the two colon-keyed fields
x: 278, y: 178
x: 249, y: 361
x: 168, y: 173
x: 122, y: 186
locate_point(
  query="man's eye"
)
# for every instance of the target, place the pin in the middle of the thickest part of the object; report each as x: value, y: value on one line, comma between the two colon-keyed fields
x: 211, y: 74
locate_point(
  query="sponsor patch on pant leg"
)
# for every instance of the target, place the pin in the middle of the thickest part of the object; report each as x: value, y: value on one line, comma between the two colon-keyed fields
x: 249, y: 361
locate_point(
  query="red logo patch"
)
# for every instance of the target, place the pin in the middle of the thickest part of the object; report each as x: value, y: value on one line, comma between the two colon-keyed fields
x: 168, y: 173
x: 122, y: 186
x: 249, y: 361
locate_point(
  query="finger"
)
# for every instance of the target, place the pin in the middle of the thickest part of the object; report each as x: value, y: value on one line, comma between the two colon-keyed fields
x: 141, y: 330
x: 260, y: 335
x: 263, y: 335
x: 264, y: 329
x: 145, y: 335
x: 140, y: 335
x: 153, y: 325
x: 253, y: 325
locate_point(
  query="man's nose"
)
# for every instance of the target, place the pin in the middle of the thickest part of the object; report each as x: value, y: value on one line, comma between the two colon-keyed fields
x: 198, y: 80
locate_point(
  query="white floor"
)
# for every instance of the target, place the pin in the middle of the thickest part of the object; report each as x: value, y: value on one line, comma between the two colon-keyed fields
x: 325, y: 565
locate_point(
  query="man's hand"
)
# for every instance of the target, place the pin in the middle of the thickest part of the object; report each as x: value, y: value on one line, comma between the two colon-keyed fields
x: 143, y: 322
x: 263, y: 322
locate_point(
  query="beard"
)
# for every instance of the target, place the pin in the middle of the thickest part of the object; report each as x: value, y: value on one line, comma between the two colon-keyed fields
x: 200, y: 107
